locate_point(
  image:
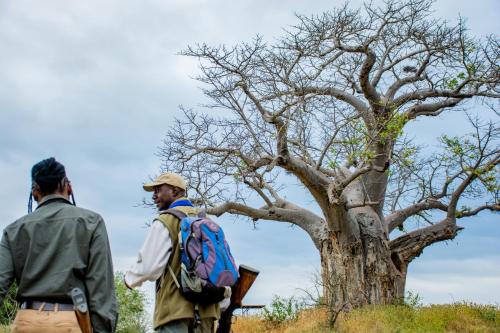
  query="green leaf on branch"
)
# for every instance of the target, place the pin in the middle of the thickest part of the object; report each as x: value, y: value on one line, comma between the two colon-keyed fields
x: 393, y: 128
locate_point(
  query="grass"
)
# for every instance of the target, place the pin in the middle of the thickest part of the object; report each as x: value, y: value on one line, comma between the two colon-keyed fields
x: 459, y: 317
x: 451, y: 318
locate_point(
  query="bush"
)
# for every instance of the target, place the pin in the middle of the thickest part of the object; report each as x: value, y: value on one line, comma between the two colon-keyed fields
x: 131, y: 308
x: 282, y: 309
x: 413, y: 299
x: 8, y: 308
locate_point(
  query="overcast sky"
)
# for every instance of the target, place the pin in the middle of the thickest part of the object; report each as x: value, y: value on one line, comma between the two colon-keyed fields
x: 97, y: 83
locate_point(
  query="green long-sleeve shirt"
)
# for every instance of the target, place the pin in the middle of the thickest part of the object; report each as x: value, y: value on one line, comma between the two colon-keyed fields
x: 56, y: 248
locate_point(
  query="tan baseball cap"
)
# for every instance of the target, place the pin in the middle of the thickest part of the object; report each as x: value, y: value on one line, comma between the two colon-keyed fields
x: 168, y: 178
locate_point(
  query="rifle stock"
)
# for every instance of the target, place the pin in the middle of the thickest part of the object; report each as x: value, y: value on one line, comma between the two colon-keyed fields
x: 240, y: 289
x: 81, y: 310
x: 84, y: 321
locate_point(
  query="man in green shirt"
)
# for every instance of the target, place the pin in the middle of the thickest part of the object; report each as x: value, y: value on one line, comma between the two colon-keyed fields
x: 52, y: 250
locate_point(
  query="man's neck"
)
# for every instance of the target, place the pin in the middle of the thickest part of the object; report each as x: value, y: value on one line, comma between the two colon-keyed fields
x: 56, y: 195
x: 177, y: 199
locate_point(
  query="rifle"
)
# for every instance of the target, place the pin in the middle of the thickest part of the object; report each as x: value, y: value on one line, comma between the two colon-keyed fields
x: 239, y: 290
x: 81, y: 310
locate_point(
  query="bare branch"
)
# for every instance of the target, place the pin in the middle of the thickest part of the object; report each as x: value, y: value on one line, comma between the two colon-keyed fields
x: 431, y: 109
x: 397, y: 218
x: 473, y: 212
x: 474, y: 174
x: 425, y: 94
x: 410, y: 245
x: 301, y: 217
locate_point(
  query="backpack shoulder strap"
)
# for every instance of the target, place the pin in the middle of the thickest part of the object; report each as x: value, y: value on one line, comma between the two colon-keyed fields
x: 202, y: 213
x: 180, y: 215
x: 177, y: 213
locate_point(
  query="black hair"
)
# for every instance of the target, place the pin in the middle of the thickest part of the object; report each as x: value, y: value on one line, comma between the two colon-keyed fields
x: 49, y: 175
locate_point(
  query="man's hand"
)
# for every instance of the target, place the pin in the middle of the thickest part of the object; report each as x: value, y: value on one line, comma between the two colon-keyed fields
x: 125, y: 283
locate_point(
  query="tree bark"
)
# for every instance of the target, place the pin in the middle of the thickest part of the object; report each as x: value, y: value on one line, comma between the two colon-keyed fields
x: 361, y: 272
x: 358, y: 266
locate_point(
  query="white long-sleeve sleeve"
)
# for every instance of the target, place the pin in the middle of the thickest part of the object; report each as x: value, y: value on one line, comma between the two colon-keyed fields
x: 152, y: 258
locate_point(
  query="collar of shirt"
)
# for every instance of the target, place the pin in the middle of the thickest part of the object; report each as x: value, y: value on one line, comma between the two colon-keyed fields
x: 52, y: 197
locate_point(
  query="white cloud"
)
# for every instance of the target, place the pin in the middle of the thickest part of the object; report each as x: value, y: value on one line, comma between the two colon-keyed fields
x: 475, y: 279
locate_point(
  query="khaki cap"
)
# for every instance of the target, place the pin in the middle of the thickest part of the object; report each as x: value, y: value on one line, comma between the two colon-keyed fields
x: 168, y: 178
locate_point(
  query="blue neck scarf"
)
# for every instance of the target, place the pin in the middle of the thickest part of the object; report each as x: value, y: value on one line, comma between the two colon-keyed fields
x: 184, y: 202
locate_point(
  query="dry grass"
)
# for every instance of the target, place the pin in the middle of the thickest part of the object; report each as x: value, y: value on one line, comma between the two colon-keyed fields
x: 466, y: 318
x: 311, y: 320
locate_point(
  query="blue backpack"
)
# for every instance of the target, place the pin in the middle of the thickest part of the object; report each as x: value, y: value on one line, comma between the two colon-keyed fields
x: 207, y: 266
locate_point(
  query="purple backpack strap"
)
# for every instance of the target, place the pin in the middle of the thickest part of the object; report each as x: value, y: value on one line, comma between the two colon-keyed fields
x: 202, y: 213
x: 177, y: 213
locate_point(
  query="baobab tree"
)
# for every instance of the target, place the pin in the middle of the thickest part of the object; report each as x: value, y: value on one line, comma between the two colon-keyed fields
x: 328, y: 105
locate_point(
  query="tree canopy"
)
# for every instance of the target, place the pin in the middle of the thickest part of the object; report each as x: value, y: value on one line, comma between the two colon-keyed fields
x: 328, y: 103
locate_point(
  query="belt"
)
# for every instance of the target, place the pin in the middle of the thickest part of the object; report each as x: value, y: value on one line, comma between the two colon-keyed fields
x: 46, y: 306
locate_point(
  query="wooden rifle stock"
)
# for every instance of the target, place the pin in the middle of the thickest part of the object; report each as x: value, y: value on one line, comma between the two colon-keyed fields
x: 240, y: 289
x: 84, y: 321
x: 81, y: 310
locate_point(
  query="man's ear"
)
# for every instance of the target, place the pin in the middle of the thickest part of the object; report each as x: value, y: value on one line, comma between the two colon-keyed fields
x: 178, y: 192
x: 37, y: 194
x: 65, y: 187
x: 69, y: 188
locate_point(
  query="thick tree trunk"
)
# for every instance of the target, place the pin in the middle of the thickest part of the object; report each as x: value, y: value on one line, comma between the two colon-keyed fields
x: 360, y: 272
x: 358, y: 266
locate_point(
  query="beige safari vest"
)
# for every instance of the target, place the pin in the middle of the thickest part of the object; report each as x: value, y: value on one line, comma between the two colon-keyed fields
x: 170, y: 304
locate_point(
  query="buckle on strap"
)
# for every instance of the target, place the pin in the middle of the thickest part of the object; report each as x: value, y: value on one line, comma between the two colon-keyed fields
x: 197, y: 318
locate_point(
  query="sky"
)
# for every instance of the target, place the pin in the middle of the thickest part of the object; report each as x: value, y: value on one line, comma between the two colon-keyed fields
x: 98, y: 83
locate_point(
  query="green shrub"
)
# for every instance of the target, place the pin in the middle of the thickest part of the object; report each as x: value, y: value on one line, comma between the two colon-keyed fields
x: 489, y: 313
x: 413, y: 299
x: 282, y: 310
x: 131, y: 308
x: 8, y: 308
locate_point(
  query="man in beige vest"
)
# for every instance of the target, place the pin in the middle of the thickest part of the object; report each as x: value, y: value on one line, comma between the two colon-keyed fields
x: 173, y: 313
